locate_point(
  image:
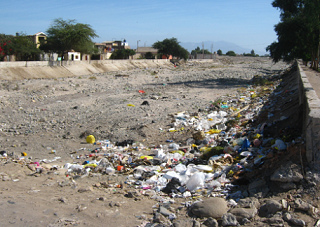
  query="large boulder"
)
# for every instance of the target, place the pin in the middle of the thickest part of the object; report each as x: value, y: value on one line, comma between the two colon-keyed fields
x: 242, y: 213
x: 289, y: 173
x: 270, y: 208
x: 212, y: 207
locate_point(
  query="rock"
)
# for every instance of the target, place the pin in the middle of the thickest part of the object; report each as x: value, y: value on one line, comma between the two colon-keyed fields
x: 154, y: 225
x: 287, y: 217
x: 6, y: 178
x: 244, y: 221
x: 129, y: 195
x: 273, y: 221
x: 101, y: 198
x: 65, y: 183
x: 242, y: 213
x: 211, y: 222
x: 269, y: 208
x: 87, y: 189
x: 31, y: 167
x: 156, y: 217
x: 164, y: 211
x: 97, y: 185
x: 196, y: 223
x: 229, y: 220
x: 145, y: 103
x: 199, y: 135
x: 159, y: 218
x: 304, y: 206
x: 212, y: 207
x: 258, y: 188
x: 62, y: 199
x: 317, y: 223
x: 287, y: 186
x: 81, y: 207
x: 183, y: 223
x: 297, y: 222
x: 288, y: 173
x: 249, y: 202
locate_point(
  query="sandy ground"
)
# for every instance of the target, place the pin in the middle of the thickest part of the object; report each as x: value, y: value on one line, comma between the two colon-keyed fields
x: 48, y: 119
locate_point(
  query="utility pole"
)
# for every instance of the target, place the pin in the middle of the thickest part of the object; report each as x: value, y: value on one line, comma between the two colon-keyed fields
x: 138, y: 44
x: 212, y: 50
x: 202, y: 50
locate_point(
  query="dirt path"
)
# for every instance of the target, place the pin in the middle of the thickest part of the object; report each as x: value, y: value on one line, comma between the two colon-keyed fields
x: 314, y: 78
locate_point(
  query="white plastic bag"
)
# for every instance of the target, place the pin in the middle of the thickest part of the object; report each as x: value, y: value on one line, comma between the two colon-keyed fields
x: 196, y: 181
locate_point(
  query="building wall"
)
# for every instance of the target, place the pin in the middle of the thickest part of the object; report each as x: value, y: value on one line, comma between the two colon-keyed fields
x: 74, y: 56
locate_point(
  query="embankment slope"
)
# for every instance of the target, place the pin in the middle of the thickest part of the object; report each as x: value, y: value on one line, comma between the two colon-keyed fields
x: 37, y: 70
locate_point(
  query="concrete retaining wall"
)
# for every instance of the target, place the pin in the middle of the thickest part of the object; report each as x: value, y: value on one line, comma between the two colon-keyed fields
x: 311, y: 118
x: 46, y: 69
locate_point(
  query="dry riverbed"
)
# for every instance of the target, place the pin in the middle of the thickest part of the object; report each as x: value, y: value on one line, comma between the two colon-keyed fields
x: 48, y: 120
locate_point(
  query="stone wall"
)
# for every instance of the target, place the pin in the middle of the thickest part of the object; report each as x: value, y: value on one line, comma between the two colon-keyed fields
x: 311, y: 118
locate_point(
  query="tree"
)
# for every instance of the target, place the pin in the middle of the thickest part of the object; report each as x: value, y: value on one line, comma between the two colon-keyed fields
x: 149, y: 55
x: 171, y: 47
x: 21, y: 46
x: 64, y: 36
x: 298, y: 31
x: 231, y: 53
x: 252, y: 54
x: 122, y: 54
x: 25, y: 49
x: 5, y: 45
x: 219, y: 52
x: 200, y: 51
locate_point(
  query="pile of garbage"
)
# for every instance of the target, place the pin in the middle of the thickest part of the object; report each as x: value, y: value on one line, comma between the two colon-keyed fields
x: 228, y: 143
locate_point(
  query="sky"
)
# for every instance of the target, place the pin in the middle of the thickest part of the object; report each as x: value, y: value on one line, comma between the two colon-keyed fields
x: 247, y: 23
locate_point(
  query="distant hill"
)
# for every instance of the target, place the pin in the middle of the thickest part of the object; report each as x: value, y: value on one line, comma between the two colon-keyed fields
x: 222, y: 45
